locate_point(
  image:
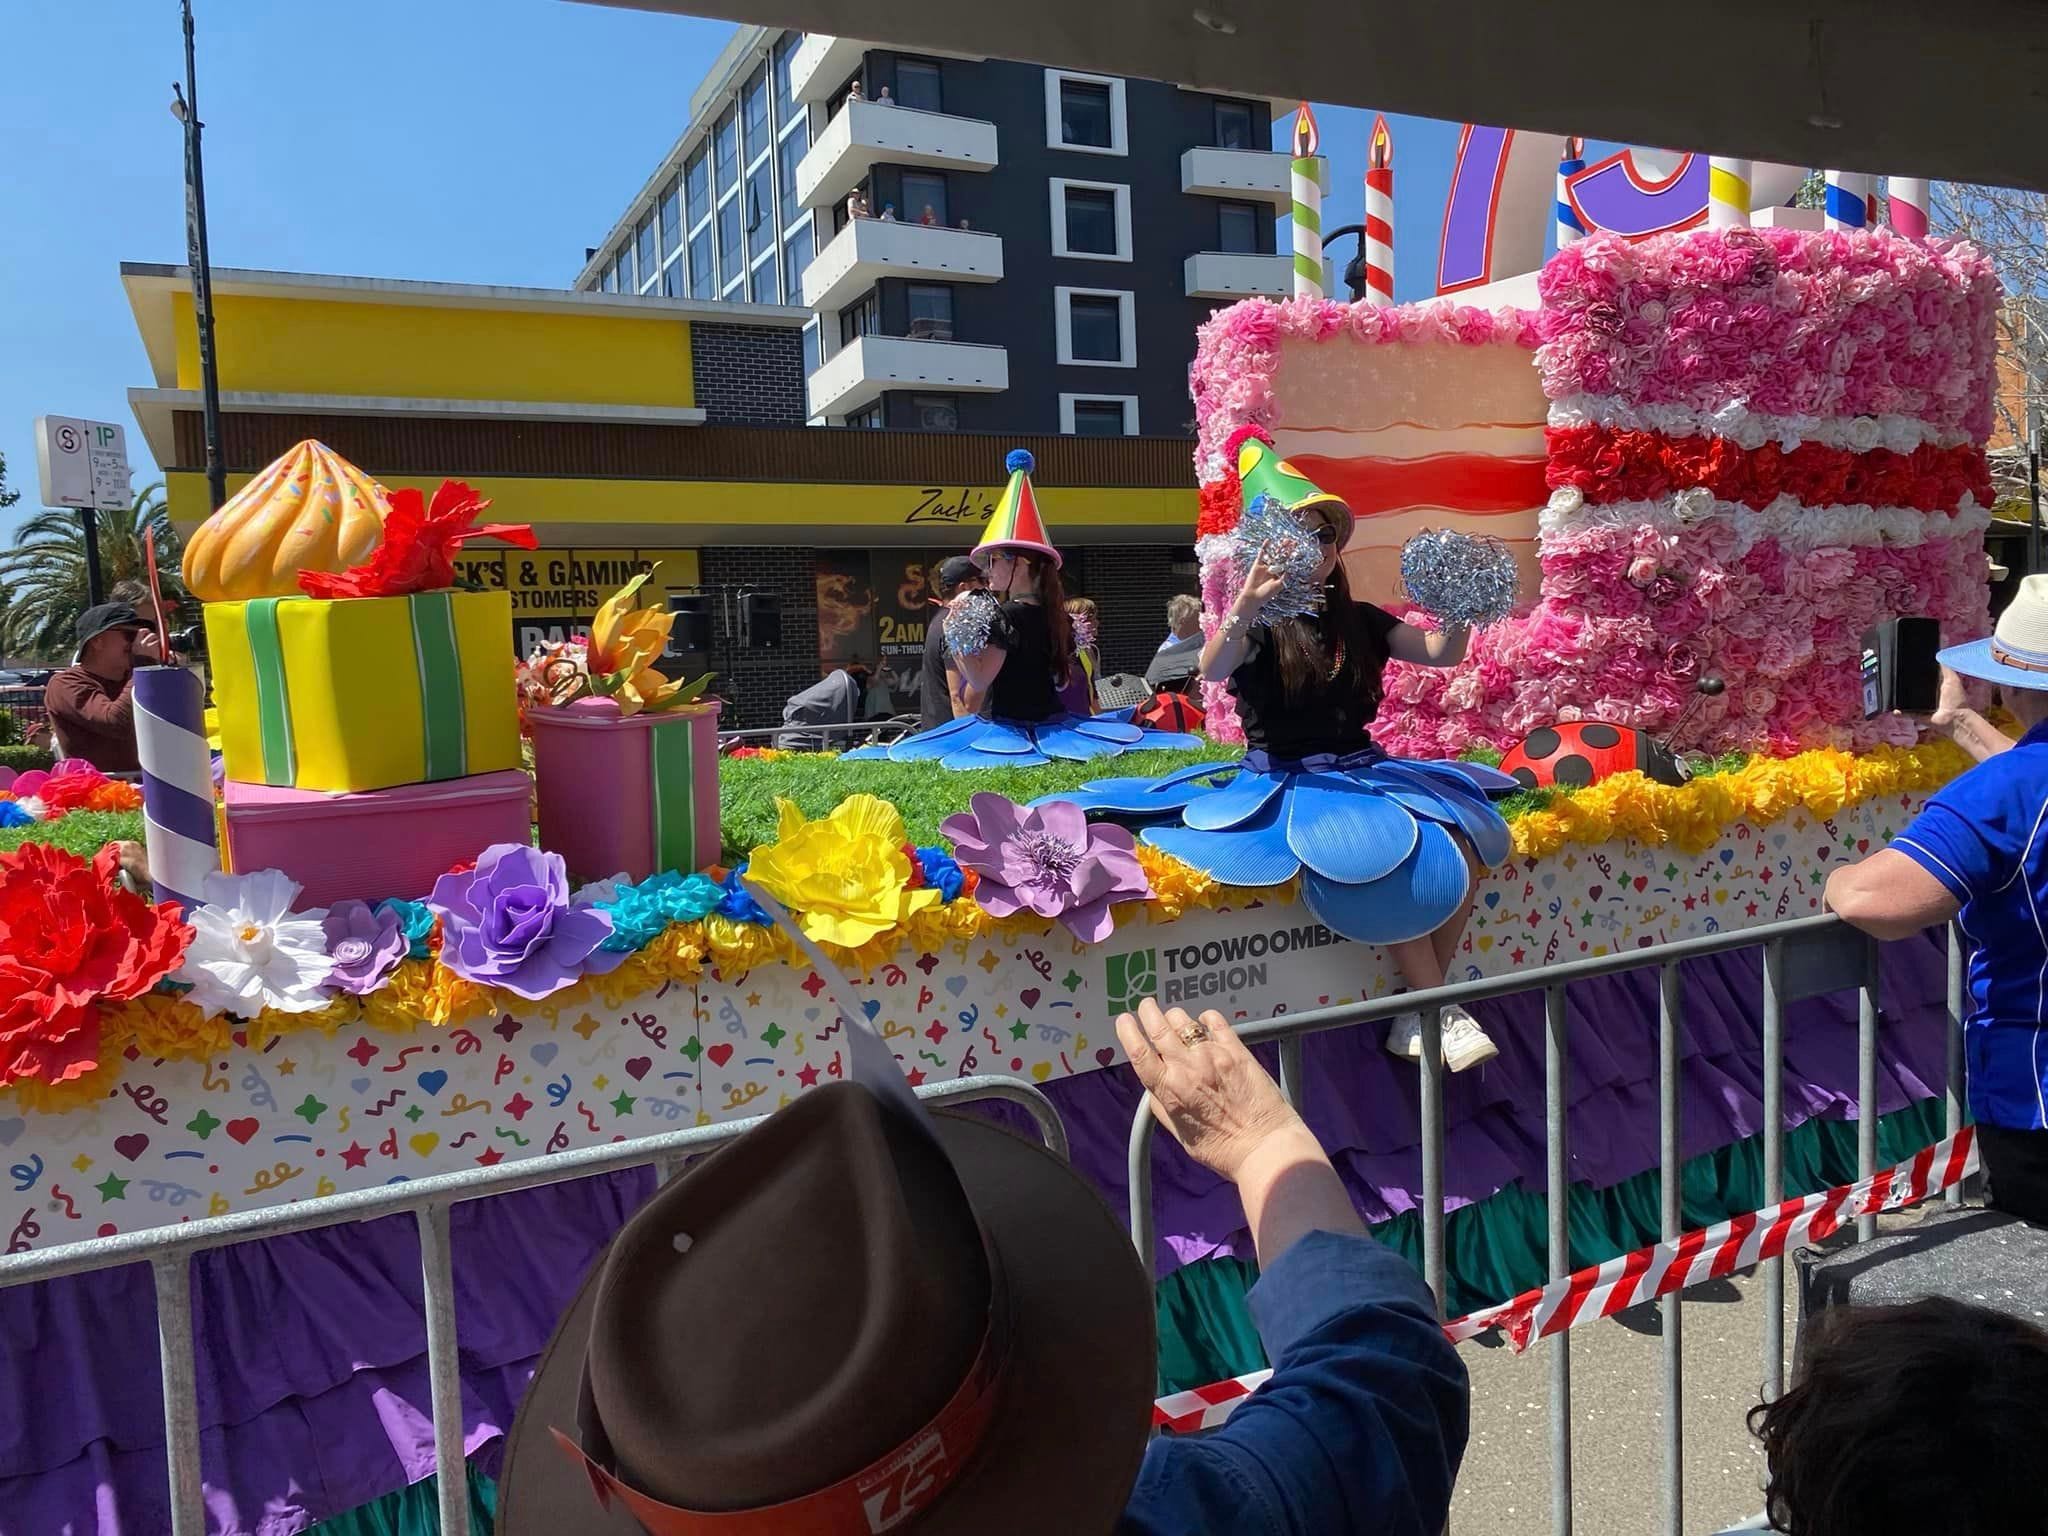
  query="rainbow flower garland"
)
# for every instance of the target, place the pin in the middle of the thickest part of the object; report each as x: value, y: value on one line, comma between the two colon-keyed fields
x: 729, y: 935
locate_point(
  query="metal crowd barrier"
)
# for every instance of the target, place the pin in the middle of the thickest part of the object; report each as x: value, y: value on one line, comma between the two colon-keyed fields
x: 855, y: 730
x: 1803, y: 958
x: 169, y: 1250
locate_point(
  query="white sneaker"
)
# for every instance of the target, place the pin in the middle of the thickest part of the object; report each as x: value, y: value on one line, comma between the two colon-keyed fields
x: 1465, y: 1044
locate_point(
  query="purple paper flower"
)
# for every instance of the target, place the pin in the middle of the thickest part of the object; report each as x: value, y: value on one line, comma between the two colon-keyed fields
x: 366, y: 943
x: 510, y: 923
x: 1049, y: 861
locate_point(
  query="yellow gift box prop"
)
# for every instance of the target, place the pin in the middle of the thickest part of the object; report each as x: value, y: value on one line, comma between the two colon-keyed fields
x: 364, y: 693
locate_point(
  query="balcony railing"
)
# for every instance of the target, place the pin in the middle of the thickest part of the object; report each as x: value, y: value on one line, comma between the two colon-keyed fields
x: 867, y: 133
x: 1252, y: 175
x: 867, y: 249
x: 1237, y: 275
x: 858, y: 374
x: 821, y: 64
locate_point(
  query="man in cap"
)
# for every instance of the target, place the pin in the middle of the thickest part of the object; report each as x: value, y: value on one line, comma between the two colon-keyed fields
x: 860, y: 1318
x: 1978, y: 850
x: 92, y: 712
x: 942, y: 691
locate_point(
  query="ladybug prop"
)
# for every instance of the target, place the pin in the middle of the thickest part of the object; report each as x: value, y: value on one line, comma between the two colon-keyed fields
x: 1575, y: 754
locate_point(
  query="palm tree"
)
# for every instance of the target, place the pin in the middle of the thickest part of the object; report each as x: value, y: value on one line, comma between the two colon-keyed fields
x: 43, y: 576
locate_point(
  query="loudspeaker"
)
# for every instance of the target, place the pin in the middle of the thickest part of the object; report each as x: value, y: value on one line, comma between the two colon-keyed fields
x: 692, y: 628
x: 761, y: 621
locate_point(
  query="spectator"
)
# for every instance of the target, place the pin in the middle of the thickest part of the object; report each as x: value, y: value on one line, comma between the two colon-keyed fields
x: 857, y: 203
x: 853, y: 90
x: 943, y: 693
x: 1907, y: 1419
x: 965, y: 225
x: 1180, y: 654
x: 888, y: 213
x: 1077, y: 693
x: 698, y: 1384
x: 928, y: 217
x: 885, y: 100
x: 91, y: 708
x: 1976, y: 851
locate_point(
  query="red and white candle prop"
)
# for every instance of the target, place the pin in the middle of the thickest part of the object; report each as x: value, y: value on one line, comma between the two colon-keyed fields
x: 1910, y: 205
x: 1379, y: 217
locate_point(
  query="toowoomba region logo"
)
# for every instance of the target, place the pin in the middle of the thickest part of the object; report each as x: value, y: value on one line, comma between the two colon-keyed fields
x: 1196, y: 972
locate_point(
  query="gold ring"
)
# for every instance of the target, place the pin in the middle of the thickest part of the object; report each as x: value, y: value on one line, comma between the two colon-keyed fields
x: 1194, y: 1032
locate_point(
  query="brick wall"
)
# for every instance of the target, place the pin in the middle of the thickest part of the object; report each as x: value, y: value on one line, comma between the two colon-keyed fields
x: 748, y: 373
x: 755, y: 685
x: 1130, y: 584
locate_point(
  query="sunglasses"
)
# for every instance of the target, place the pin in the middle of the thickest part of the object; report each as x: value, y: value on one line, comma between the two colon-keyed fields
x: 1325, y: 535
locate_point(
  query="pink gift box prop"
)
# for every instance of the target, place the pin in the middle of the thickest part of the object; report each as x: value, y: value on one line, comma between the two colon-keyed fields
x: 632, y: 793
x: 376, y: 842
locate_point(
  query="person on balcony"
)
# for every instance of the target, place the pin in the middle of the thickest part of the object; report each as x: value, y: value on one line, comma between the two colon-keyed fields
x: 1978, y: 853
x: 856, y: 1318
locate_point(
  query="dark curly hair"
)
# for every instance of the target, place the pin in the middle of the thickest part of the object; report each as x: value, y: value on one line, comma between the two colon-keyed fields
x: 1926, y: 1416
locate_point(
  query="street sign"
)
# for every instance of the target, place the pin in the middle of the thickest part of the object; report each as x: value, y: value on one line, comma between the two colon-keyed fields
x: 83, y: 463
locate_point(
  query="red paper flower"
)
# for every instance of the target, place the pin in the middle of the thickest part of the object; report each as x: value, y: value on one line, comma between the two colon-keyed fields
x: 417, y: 553
x: 70, y: 940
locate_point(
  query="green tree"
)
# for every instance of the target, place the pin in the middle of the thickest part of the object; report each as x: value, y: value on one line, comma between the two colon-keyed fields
x: 43, y: 576
x: 7, y: 498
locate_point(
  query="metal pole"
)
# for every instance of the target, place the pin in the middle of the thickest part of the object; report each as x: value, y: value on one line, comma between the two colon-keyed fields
x: 1433, y: 1152
x: 1773, y: 1270
x: 199, y: 260
x: 1290, y: 1072
x: 444, y: 1369
x: 173, y: 1277
x: 1138, y: 1175
x: 95, y: 582
x: 1557, y: 1148
x: 1866, y: 1080
x: 1952, y: 1091
x: 1670, y: 1009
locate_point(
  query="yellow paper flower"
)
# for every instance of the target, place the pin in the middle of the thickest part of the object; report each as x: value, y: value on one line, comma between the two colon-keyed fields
x: 845, y: 876
x: 162, y: 1025
x: 737, y: 948
x: 423, y: 992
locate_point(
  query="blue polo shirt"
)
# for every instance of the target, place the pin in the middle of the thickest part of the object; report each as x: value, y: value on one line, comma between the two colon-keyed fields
x: 1985, y: 837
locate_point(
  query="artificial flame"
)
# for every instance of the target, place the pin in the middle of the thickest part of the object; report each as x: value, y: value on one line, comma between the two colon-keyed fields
x: 1306, y: 139
x: 1381, y: 156
x: 1574, y: 148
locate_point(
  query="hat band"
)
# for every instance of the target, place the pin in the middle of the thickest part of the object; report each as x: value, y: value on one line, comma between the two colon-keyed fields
x: 2025, y: 664
x: 886, y: 1492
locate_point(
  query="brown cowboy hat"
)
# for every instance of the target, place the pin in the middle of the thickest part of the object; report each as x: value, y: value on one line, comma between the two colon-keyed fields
x: 846, y: 1321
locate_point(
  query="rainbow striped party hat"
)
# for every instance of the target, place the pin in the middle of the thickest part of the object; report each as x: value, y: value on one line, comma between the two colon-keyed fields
x: 1016, y: 523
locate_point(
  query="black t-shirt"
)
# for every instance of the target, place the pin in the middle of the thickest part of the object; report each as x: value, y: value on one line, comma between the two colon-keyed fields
x: 1332, y: 713
x: 934, y: 702
x: 1023, y: 690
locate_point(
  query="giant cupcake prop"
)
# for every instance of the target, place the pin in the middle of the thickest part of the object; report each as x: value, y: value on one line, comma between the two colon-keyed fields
x: 312, y: 510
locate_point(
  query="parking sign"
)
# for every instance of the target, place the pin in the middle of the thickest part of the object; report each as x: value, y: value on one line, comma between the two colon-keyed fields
x: 82, y: 463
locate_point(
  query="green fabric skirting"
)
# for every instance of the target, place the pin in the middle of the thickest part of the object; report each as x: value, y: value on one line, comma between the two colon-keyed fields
x: 415, y: 1511
x: 1499, y: 1247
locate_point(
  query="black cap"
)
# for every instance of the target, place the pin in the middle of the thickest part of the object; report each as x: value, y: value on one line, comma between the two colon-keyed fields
x: 105, y: 616
x: 955, y: 569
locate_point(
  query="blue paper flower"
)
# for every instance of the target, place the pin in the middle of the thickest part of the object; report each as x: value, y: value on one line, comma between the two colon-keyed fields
x: 640, y: 912
x: 12, y: 815
x: 941, y: 872
x: 737, y: 904
x: 415, y: 920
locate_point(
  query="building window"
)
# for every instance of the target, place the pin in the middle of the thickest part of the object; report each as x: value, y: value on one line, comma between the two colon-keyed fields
x: 756, y: 99
x: 697, y: 188
x: 931, y: 312
x: 935, y: 413
x: 728, y: 240
x: 627, y: 282
x: 811, y: 344
x: 870, y: 417
x: 728, y: 140
x: 1086, y: 113
x: 1091, y: 219
x: 1237, y: 227
x: 785, y: 97
x: 703, y: 280
x: 761, y: 285
x: 611, y: 277
x: 796, y: 255
x: 788, y: 156
x: 859, y: 319
x: 672, y: 280
x: 643, y: 241
x: 918, y: 85
x: 1099, y: 415
x: 760, y: 199
x: 671, y: 220
x: 922, y: 190
x: 1096, y: 326
x: 1234, y: 125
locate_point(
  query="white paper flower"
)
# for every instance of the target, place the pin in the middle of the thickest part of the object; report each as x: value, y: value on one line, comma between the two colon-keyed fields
x: 1863, y: 433
x: 1566, y: 500
x: 250, y: 951
x: 1694, y: 504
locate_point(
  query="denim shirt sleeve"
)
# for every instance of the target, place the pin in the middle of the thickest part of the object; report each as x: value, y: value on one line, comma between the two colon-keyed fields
x: 1360, y: 1428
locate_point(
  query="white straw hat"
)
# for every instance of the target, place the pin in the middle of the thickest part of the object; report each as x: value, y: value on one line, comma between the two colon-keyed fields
x: 2016, y: 654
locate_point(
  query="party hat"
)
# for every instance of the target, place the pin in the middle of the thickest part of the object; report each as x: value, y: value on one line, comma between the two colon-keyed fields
x: 1016, y: 523
x: 1262, y: 472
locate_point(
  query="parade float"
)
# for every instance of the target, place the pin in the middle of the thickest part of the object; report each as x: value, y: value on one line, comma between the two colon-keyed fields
x: 1727, y: 454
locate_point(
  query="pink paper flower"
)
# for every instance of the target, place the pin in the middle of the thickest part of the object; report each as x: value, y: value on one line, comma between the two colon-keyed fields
x: 1050, y: 860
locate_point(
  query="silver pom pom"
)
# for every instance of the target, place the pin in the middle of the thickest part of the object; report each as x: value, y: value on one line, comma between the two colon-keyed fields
x: 1462, y: 578
x: 1268, y: 531
x: 968, y: 621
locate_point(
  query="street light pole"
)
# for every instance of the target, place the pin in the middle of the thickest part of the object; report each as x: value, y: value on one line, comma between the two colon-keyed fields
x: 185, y: 108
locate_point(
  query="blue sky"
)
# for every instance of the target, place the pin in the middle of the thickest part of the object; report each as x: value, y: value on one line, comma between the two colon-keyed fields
x: 462, y: 140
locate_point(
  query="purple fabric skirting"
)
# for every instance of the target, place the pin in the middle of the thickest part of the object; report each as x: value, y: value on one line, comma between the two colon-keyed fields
x: 311, y: 1348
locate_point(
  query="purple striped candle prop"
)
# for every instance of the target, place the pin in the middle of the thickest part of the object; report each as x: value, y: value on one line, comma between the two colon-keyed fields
x: 177, y: 782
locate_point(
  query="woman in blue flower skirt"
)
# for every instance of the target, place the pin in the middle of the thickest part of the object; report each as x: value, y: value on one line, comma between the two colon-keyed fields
x: 1388, y: 849
x: 1015, y: 647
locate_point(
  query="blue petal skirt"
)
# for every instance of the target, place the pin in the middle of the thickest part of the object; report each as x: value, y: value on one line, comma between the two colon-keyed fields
x: 1376, y: 840
x: 974, y: 742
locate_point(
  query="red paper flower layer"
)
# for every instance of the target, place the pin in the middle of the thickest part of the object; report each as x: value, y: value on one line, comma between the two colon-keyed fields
x: 417, y: 553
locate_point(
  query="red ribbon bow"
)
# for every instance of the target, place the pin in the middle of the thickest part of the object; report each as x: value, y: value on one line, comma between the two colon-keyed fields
x: 417, y: 552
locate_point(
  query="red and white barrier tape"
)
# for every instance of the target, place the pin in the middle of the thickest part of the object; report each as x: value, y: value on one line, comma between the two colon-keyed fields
x: 1601, y: 1290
